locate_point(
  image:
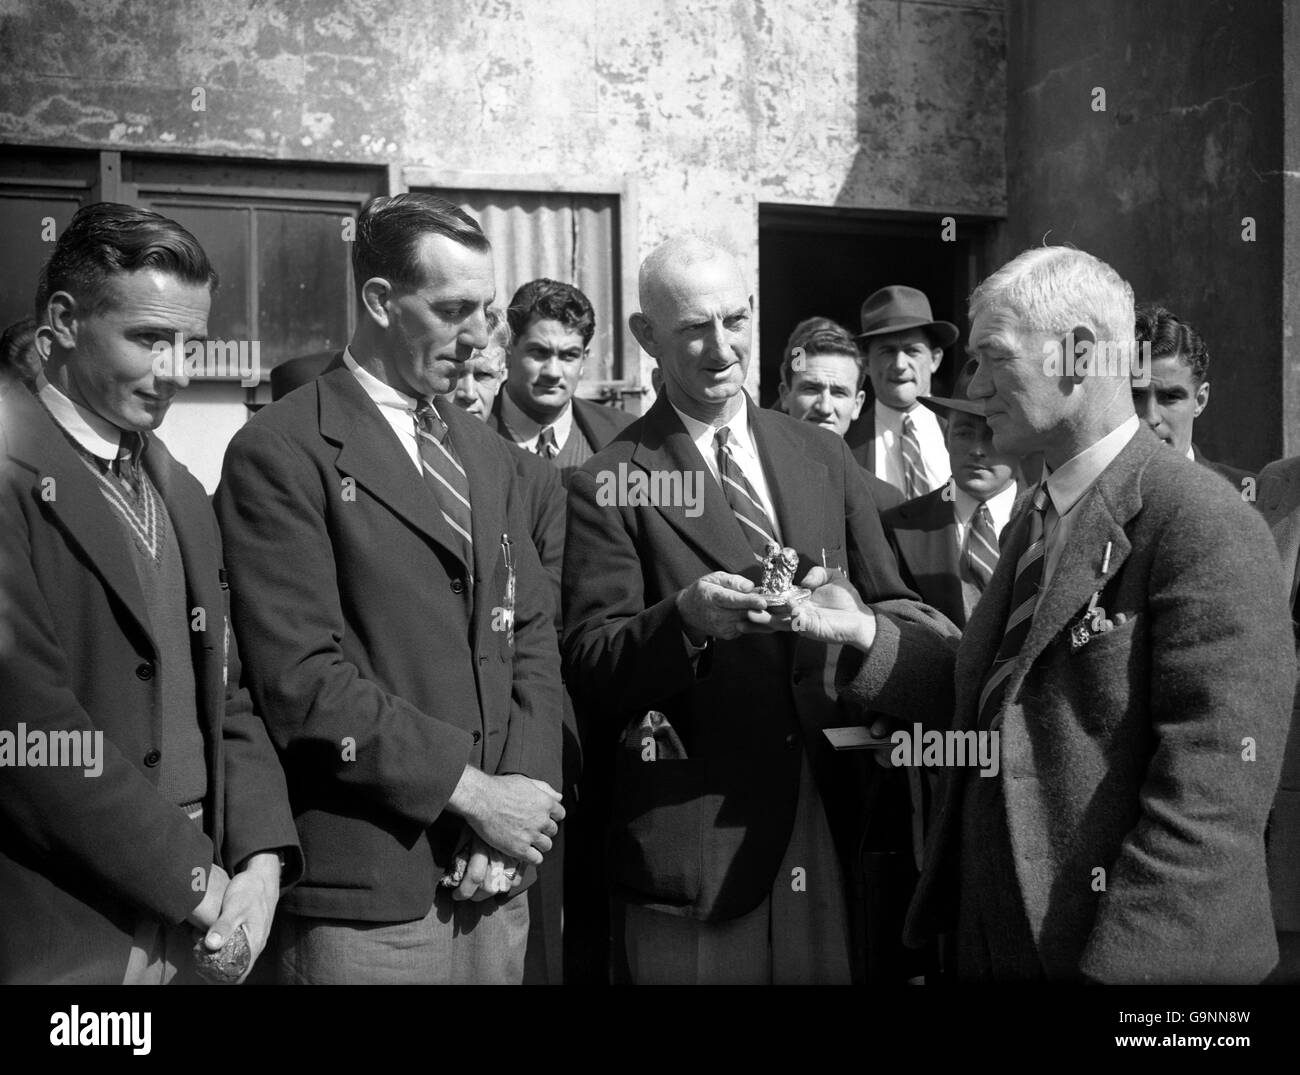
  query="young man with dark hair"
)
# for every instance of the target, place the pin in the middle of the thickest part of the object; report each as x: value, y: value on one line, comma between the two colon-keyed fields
x: 117, y: 641
x: 1178, y: 388
x: 552, y: 324
x: 400, y: 628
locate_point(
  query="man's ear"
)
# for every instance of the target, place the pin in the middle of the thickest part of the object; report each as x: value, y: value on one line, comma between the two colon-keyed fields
x: 375, y: 293
x: 1078, y: 335
x: 936, y: 357
x: 644, y: 331
x: 857, y: 404
x: 782, y: 390
x: 63, y: 312
x: 1202, y: 398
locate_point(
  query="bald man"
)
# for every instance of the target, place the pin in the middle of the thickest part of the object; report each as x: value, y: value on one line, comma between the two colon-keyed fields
x: 736, y: 832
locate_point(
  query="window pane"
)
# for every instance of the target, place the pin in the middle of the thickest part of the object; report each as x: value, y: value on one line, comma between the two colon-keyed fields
x: 22, y: 217
x: 303, y: 282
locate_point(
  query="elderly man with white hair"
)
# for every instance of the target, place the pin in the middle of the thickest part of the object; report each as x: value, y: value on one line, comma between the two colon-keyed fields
x: 1131, y: 663
x: 737, y: 835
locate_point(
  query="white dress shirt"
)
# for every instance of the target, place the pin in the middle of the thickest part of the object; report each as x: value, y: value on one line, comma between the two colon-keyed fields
x: 524, y: 431
x: 397, y: 408
x: 1067, y: 485
x: 964, y: 506
x: 889, y: 446
x: 743, y: 450
x: 97, y: 435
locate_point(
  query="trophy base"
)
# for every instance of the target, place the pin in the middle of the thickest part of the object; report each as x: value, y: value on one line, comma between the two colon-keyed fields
x: 785, y: 600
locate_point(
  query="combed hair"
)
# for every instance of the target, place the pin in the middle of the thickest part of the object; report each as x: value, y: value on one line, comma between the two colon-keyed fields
x: 551, y: 300
x: 18, y: 356
x: 106, y: 238
x: 1055, y: 288
x: 1170, y: 335
x: 822, y: 336
x: 389, y: 231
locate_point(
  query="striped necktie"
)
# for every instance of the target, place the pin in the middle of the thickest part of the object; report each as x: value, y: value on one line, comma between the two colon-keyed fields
x: 914, y: 480
x: 445, y: 475
x: 981, y: 555
x: 546, y: 446
x: 130, y: 454
x: 744, y: 502
x: 1024, y: 597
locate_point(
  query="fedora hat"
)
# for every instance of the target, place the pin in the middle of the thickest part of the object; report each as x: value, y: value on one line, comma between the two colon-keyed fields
x: 898, y: 308
x: 959, y: 400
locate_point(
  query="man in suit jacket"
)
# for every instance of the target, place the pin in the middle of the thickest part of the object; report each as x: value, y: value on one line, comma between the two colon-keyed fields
x: 947, y: 540
x: 551, y: 326
x: 139, y: 791
x: 539, y: 482
x: 399, y: 628
x: 897, y: 440
x: 1171, y: 386
x: 734, y: 831
x: 1279, y: 502
x: 1122, y: 668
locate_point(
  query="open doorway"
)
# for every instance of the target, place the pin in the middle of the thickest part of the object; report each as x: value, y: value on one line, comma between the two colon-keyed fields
x: 824, y: 262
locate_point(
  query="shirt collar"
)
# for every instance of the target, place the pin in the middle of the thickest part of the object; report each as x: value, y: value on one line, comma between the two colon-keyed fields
x: 1067, y: 484
x: 525, y: 430
x: 889, y: 419
x: 1191, y: 453
x: 703, y: 432
x: 385, y: 395
x: 999, y: 504
x: 97, y: 435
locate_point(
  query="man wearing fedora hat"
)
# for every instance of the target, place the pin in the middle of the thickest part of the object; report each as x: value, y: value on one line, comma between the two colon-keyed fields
x: 947, y: 540
x: 898, y: 441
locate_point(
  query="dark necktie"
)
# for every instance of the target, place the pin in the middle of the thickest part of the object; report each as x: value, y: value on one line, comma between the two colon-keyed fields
x: 546, y: 446
x: 981, y: 555
x: 1024, y: 597
x: 914, y: 480
x: 445, y: 475
x: 746, y: 506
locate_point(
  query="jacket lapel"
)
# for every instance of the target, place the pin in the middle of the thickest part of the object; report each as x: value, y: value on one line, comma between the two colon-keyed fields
x: 796, y: 482
x: 72, y: 495
x: 370, y: 453
x: 1105, y: 510
x: 666, y: 446
x: 191, y: 521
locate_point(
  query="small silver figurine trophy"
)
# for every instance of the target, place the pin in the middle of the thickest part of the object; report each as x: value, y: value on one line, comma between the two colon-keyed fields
x: 777, y: 585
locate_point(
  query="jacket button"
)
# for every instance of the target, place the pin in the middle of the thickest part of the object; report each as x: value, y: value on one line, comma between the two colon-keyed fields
x: 457, y: 586
x: 790, y: 740
x: 153, y: 758
x: 477, y: 736
x: 482, y: 661
x: 797, y: 678
x: 144, y: 671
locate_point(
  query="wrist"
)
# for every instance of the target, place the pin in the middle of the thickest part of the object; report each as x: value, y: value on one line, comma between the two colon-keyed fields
x: 865, y: 635
x: 695, y: 638
x: 467, y: 797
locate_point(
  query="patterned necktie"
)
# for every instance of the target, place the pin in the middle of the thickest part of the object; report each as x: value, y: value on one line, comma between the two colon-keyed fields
x: 748, y: 509
x: 546, y: 446
x: 914, y: 481
x: 981, y: 548
x: 444, y: 474
x: 1024, y: 597
x: 130, y: 451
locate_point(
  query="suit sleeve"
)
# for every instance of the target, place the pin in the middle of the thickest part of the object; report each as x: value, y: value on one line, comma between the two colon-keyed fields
x: 113, y: 828
x: 290, y: 624
x: 618, y: 653
x: 1222, y: 675
x: 548, y: 529
x: 909, y: 671
x: 258, y: 816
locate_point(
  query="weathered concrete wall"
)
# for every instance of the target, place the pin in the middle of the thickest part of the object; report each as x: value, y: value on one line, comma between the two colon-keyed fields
x: 715, y: 105
x: 1158, y: 184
